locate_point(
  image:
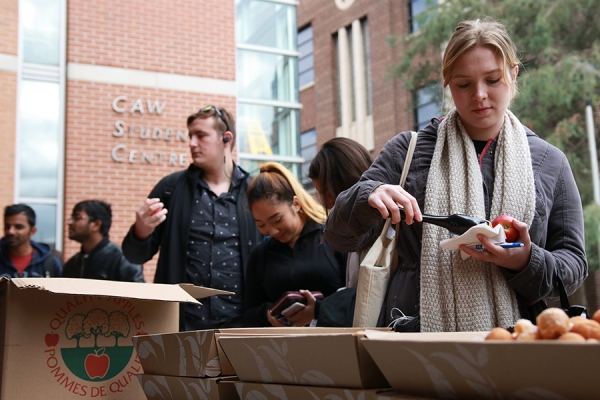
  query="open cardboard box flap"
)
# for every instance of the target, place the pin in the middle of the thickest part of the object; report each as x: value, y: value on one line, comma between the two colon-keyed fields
x: 426, y: 336
x: 198, y: 354
x: 271, y: 391
x: 134, y: 290
x: 158, y: 387
x: 292, y: 330
x: 303, y: 357
x: 227, y: 368
x: 463, y: 365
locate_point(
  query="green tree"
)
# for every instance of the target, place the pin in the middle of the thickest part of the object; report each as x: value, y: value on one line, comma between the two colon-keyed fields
x: 559, y: 45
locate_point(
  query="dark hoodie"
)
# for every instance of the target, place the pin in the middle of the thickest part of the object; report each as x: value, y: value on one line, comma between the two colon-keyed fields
x: 37, y: 268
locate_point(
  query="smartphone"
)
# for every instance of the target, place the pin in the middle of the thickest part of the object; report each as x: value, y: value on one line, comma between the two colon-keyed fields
x: 289, y: 298
x: 293, y: 309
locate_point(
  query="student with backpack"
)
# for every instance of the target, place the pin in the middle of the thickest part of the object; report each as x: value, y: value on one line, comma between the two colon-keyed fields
x: 19, y: 255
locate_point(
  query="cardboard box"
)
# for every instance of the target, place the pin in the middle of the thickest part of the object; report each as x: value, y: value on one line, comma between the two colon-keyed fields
x: 197, y: 353
x: 314, y: 359
x: 157, y: 387
x: 270, y: 391
x: 190, y: 354
x: 65, y: 338
x: 463, y: 366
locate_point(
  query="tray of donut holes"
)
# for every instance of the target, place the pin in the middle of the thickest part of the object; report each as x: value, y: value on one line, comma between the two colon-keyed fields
x: 552, y: 324
x: 557, y: 359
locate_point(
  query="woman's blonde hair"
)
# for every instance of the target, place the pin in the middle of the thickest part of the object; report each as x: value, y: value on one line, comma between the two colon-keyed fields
x: 471, y: 34
x: 278, y: 185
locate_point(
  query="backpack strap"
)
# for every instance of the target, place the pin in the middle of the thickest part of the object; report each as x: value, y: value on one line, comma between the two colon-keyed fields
x: 171, y: 182
x: 49, y: 266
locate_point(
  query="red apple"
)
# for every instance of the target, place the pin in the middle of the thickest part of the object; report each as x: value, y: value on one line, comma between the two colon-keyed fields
x: 511, y: 232
x: 156, y: 211
x: 96, y: 365
x: 51, y: 339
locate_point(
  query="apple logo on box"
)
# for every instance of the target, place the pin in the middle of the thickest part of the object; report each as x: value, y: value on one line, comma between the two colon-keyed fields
x: 97, y: 364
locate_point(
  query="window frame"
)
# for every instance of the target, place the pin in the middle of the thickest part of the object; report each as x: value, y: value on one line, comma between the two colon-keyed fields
x: 435, y: 89
x: 47, y: 73
x: 302, y: 57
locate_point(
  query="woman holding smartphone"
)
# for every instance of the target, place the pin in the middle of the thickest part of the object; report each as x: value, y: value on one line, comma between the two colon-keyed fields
x: 293, y: 257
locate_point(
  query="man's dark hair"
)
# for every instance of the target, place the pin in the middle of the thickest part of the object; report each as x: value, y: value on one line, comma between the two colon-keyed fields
x: 96, y: 210
x: 20, y: 208
x: 224, y: 121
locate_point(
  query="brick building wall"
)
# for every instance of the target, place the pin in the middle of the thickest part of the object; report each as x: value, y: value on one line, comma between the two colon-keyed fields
x: 8, y: 98
x: 308, y: 114
x: 392, y: 110
x: 174, y: 37
x: 183, y: 37
x: 9, y: 23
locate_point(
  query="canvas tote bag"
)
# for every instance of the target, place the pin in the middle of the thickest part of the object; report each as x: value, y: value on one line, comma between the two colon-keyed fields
x: 376, y: 267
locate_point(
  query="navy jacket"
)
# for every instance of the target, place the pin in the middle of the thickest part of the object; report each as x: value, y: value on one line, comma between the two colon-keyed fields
x: 37, y: 268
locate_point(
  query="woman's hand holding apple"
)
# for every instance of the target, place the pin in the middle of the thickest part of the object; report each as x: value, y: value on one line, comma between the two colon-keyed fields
x: 510, y: 230
x: 514, y: 259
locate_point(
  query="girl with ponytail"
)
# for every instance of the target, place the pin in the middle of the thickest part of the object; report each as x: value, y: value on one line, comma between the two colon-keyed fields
x: 293, y: 256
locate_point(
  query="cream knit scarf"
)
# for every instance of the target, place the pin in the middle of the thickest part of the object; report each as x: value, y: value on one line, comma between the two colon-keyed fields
x: 470, y: 295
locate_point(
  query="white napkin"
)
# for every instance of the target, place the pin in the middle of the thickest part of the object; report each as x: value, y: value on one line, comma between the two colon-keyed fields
x: 469, y: 238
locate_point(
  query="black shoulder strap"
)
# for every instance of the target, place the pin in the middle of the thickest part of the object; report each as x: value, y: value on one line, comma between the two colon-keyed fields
x: 335, y: 257
x: 49, y: 266
x: 170, y: 183
x: 571, y: 310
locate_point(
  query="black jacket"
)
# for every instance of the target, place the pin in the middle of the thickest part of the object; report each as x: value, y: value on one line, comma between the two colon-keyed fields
x: 105, y: 261
x: 176, y: 192
x: 276, y: 268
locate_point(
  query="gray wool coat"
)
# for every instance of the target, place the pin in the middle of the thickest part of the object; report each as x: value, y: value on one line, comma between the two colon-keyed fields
x: 557, y: 231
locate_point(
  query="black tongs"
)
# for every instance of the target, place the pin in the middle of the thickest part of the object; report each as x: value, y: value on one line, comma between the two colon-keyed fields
x: 455, y: 223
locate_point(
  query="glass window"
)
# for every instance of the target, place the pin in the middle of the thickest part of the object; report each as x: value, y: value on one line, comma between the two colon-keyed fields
x: 266, y: 76
x: 253, y: 166
x: 308, y: 151
x: 427, y: 107
x: 306, y: 63
x: 265, y: 23
x: 46, y: 223
x: 266, y: 83
x: 38, y: 138
x: 41, y: 31
x: 306, y: 72
x: 267, y: 130
x: 417, y: 7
